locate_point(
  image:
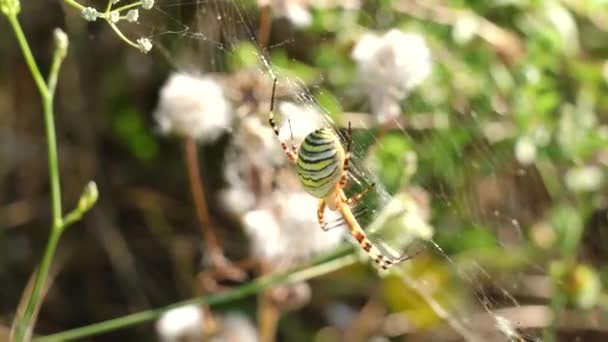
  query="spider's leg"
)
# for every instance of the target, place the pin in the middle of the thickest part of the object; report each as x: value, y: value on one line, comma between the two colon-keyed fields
x: 357, y: 232
x: 294, y: 148
x: 346, y: 158
x: 339, y: 222
x: 291, y: 154
x: 321, y: 214
x: 355, y: 199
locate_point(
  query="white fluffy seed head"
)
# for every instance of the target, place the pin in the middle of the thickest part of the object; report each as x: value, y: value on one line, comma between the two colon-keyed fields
x: 291, y: 231
x: 259, y: 142
x: 181, y: 324
x: 390, y: 66
x: 236, y: 327
x: 304, y: 119
x: 193, y: 106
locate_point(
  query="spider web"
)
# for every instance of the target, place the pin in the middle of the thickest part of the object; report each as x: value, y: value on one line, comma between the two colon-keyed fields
x: 476, y: 291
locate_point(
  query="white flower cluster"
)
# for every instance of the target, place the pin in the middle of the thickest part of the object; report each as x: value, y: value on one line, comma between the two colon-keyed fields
x: 147, y: 4
x: 90, y: 14
x: 144, y: 45
x: 114, y: 17
x: 193, y: 106
x: 132, y: 15
x: 390, y: 66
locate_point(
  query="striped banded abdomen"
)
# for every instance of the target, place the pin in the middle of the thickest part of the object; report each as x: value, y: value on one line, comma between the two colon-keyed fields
x: 320, y: 162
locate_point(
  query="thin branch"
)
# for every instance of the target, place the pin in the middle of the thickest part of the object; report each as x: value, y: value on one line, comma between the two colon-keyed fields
x: 265, y: 23
x: 290, y: 277
x: 212, y: 246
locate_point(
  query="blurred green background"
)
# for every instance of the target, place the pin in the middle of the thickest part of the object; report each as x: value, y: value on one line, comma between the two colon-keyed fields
x: 507, y: 141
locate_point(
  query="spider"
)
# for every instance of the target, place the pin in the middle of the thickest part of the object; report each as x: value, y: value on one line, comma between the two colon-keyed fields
x: 322, y: 166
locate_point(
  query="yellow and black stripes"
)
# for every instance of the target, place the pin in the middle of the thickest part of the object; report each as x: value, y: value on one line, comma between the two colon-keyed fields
x: 320, y: 161
x: 322, y: 165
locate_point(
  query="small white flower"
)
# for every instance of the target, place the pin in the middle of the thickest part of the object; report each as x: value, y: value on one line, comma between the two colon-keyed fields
x: 114, y: 2
x: 90, y: 14
x: 179, y: 324
x: 147, y: 4
x: 193, y: 106
x: 132, y: 15
x: 583, y: 179
x: 144, y: 45
x: 114, y: 17
x: 390, y: 66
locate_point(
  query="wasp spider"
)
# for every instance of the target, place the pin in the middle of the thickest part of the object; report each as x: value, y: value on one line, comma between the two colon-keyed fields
x: 322, y: 166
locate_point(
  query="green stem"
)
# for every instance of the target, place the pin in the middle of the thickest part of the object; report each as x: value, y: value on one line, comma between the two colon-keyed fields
x: 108, y: 7
x: 129, y: 6
x: 74, y: 4
x: 221, y: 298
x: 27, y: 54
x: 120, y: 35
x: 46, y: 94
x: 33, y: 302
x: 51, y: 141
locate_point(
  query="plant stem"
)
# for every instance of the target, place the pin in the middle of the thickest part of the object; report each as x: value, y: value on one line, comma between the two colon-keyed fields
x: 213, y: 249
x: 265, y: 23
x: 120, y: 34
x: 129, y: 6
x: 27, y: 54
x: 250, y: 288
x: 74, y: 4
x: 46, y: 94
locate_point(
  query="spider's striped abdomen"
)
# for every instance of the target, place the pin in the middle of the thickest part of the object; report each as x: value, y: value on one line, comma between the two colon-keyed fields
x: 320, y: 162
